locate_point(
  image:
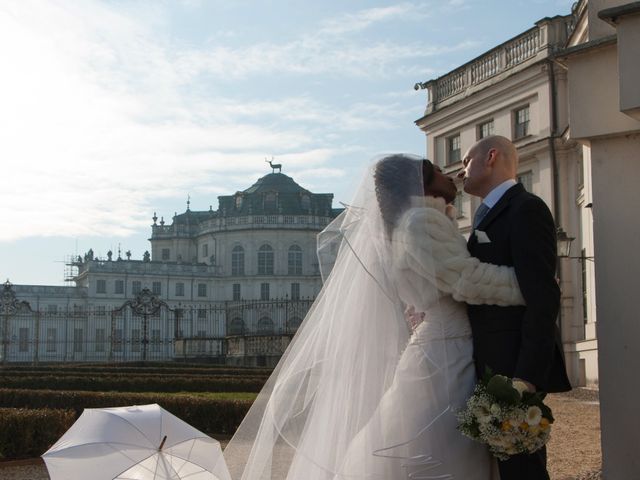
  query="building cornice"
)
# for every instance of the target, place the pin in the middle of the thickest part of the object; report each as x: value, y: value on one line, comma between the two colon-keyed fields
x: 611, y: 15
x: 587, y: 47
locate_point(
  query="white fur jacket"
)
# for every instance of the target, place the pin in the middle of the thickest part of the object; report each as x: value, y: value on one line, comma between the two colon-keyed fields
x: 427, y: 242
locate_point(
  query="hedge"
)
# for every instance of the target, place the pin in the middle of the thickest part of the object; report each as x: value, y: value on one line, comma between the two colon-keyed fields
x: 135, y: 383
x: 115, y: 369
x: 28, y: 433
x: 221, y: 416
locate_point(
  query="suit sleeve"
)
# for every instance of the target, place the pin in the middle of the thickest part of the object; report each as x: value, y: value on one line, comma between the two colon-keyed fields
x: 436, y: 251
x: 533, y: 249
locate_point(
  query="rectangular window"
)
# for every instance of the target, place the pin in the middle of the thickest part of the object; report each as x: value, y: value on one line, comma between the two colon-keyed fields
x: 202, y: 289
x: 166, y: 254
x: 265, y: 261
x: 156, y: 288
x: 77, y: 340
x: 119, y: 287
x: 100, y: 339
x: 23, y: 340
x: 237, y: 261
x: 101, y: 310
x: 295, y: 291
x: 205, y: 250
x: 101, y: 286
x: 52, y: 334
x: 458, y: 204
x: 179, y: 289
x: 453, y: 149
x: 135, y: 340
x: 485, y: 129
x: 202, y: 313
x: 521, y: 122
x: 136, y: 287
x: 264, y: 291
x: 236, y: 291
x: 52, y: 309
x: 526, y: 179
x: 295, y: 260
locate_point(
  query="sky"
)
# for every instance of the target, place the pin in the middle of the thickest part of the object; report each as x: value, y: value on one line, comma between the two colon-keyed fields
x: 113, y: 110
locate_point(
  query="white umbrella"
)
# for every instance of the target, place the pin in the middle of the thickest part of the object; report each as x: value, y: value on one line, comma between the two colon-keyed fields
x: 139, y: 442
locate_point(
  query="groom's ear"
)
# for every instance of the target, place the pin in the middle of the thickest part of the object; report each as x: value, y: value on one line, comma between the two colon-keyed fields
x: 491, y: 157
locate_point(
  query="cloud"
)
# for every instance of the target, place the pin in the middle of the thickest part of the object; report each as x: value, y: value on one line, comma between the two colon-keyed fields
x: 363, y: 19
x: 95, y: 127
x: 103, y: 117
x: 312, y: 56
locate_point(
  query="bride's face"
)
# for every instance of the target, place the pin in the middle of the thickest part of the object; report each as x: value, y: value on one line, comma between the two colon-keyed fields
x: 441, y: 186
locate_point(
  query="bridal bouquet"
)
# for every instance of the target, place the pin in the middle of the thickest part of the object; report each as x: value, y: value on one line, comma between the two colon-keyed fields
x: 507, y: 417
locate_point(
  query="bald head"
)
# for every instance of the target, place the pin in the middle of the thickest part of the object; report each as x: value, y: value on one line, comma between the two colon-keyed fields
x: 488, y: 163
x: 507, y: 154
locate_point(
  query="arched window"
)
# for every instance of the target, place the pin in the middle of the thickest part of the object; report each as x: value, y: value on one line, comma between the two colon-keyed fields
x: 265, y: 326
x: 265, y: 260
x: 237, y: 260
x: 236, y: 326
x: 305, y: 202
x: 295, y: 260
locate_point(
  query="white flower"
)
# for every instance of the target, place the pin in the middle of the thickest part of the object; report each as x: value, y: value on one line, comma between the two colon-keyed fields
x: 534, y: 415
x: 520, y: 386
x: 495, y: 409
x: 484, y: 419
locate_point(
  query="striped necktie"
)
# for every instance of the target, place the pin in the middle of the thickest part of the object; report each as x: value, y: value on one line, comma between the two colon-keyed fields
x: 480, y: 214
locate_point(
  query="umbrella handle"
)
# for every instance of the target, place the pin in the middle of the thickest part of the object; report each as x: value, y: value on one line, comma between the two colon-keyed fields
x: 162, y: 444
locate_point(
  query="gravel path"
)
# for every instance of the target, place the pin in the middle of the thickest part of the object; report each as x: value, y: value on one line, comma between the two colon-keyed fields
x: 574, y: 449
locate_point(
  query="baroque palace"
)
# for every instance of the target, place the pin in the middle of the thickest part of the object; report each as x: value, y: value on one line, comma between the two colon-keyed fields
x: 231, y: 285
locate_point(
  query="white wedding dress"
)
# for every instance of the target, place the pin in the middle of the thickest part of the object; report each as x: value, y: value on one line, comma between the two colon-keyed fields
x: 413, y: 434
x: 358, y: 395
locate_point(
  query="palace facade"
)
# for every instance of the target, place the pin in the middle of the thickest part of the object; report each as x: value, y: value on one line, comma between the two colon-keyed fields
x: 248, y: 268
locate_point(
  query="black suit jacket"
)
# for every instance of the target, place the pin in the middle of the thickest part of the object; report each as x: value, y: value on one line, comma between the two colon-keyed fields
x: 521, y: 342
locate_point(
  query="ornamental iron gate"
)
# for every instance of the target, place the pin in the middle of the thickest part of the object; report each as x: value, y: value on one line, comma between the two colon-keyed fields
x: 145, y: 328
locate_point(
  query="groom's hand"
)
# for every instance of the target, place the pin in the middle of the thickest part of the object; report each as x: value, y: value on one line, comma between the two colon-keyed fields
x: 530, y: 386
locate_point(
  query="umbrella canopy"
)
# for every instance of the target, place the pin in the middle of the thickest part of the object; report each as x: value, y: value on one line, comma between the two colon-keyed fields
x: 139, y: 442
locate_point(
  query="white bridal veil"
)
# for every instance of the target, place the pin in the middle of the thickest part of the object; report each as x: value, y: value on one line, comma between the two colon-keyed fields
x: 325, y: 413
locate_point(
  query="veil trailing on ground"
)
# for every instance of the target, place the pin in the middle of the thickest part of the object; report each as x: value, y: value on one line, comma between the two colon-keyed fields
x: 322, y: 413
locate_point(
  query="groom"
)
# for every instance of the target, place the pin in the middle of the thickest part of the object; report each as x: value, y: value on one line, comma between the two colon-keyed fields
x: 515, y: 228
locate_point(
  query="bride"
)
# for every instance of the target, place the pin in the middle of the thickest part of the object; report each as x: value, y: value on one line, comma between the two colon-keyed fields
x: 365, y: 391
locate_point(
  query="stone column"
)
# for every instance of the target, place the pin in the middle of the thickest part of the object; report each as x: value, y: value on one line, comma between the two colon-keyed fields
x: 616, y: 222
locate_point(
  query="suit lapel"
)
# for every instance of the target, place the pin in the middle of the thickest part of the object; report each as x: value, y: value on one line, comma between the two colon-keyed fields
x: 499, y: 207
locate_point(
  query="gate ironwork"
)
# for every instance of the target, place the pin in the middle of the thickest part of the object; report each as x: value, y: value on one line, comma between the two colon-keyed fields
x: 146, y: 328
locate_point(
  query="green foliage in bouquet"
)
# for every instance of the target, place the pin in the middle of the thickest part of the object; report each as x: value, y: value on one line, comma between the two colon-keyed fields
x: 504, y: 415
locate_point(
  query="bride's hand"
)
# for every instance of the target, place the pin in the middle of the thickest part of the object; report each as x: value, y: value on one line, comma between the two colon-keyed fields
x: 413, y: 318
